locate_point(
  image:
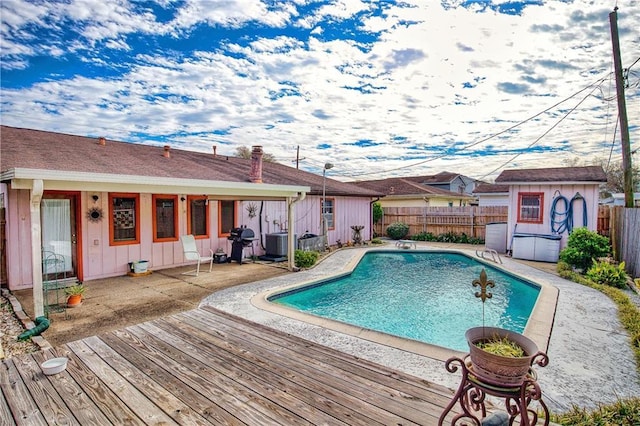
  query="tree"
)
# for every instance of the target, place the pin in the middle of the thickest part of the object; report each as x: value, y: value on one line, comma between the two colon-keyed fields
x: 614, y: 172
x: 245, y: 152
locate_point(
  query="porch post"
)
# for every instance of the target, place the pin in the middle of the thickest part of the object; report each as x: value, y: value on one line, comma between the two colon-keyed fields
x: 291, y: 231
x: 36, y: 247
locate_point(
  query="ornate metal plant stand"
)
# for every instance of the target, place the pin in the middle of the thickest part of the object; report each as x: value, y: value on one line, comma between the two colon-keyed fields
x: 357, y: 238
x: 472, y: 392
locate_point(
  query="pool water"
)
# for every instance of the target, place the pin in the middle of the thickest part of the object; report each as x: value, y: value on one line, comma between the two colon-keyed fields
x: 425, y: 296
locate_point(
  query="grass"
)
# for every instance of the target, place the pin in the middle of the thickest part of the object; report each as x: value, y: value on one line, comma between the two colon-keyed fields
x: 624, y: 412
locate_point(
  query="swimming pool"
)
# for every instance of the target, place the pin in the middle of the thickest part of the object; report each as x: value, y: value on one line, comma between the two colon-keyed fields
x: 420, y: 295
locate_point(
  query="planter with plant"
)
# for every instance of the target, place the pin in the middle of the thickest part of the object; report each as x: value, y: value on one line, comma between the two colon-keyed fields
x: 499, y: 356
x: 74, y: 295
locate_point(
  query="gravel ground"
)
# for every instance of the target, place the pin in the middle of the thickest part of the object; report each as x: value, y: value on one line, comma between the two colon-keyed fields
x: 10, y: 329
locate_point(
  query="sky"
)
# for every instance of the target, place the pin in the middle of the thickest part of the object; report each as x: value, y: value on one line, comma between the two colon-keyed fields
x: 376, y: 88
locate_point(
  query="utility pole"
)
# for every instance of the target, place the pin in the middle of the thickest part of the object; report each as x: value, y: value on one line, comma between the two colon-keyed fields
x: 298, y: 157
x: 622, y: 111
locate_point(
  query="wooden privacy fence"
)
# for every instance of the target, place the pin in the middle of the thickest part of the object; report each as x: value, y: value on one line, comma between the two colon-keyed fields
x: 470, y: 220
x: 624, y: 232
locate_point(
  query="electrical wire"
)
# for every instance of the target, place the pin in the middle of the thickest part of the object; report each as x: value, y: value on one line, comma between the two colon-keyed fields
x: 541, y: 136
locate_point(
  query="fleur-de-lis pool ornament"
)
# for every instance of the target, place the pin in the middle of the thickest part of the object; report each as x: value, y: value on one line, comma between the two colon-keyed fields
x: 483, y: 294
x: 483, y: 282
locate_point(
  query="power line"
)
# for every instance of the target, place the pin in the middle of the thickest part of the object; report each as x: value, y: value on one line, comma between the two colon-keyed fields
x: 541, y: 136
x: 598, y: 82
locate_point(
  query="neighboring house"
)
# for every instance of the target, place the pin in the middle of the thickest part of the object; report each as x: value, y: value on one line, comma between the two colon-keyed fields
x: 409, y: 192
x: 101, y: 204
x: 618, y: 200
x: 449, y: 182
x: 491, y: 194
x: 548, y: 201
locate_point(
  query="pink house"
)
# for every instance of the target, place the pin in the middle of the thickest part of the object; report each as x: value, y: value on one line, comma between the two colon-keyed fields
x: 98, y: 204
x: 546, y: 204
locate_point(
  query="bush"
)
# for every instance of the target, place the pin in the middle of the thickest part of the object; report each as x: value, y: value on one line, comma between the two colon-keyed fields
x: 606, y: 273
x: 397, y: 230
x: 377, y: 241
x: 448, y: 237
x: 583, y: 246
x: 306, y: 259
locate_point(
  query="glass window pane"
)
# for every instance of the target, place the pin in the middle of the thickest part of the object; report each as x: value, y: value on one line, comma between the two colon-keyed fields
x: 165, y: 224
x: 198, y: 217
x: 124, y: 219
x: 227, y: 216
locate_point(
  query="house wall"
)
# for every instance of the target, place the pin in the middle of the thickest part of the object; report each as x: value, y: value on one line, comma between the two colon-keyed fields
x: 101, y: 260
x: 485, y: 200
x: 588, y: 191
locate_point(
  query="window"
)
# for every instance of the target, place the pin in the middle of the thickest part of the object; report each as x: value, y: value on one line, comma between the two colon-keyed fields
x: 530, y: 207
x: 198, y: 216
x: 165, y: 218
x: 329, y: 211
x: 226, y: 217
x: 124, y: 212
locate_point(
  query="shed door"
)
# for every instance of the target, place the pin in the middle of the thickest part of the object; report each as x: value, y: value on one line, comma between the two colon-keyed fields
x: 59, y: 237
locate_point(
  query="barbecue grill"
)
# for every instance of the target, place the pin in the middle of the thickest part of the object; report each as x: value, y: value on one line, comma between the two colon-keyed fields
x: 240, y: 238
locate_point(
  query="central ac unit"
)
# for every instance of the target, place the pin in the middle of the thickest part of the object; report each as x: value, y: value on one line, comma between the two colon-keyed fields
x: 276, y: 244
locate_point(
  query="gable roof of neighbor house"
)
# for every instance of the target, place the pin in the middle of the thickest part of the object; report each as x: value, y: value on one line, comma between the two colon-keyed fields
x: 582, y: 174
x: 25, y: 152
x: 408, y: 186
x: 491, y: 188
x: 438, y: 178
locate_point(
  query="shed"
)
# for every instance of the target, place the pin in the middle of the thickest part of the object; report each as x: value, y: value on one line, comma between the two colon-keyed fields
x: 546, y: 204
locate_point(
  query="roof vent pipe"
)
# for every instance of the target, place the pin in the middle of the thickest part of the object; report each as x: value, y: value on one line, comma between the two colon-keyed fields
x: 102, y: 141
x: 167, y: 154
x: 256, y: 164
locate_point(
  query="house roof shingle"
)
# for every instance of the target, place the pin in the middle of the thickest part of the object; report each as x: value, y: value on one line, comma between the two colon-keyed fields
x: 35, y: 149
x: 554, y: 174
x: 490, y: 188
x: 406, y: 186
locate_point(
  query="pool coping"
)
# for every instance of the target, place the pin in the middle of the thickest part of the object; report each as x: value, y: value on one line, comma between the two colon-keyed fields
x: 538, y: 328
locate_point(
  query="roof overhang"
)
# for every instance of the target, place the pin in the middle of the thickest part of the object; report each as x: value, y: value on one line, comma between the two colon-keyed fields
x: 560, y: 182
x: 22, y: 178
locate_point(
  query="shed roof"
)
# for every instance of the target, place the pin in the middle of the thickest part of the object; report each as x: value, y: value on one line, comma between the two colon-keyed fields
x: 491, y: 188
x: 27, y: 149
x: 593, y: 174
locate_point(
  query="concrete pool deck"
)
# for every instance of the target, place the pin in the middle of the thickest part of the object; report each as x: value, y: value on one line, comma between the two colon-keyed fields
x: 590, y: 358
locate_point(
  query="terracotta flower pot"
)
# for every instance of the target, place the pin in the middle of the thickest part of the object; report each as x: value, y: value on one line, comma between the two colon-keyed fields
x: 496, y: 369
x: 74, y: 300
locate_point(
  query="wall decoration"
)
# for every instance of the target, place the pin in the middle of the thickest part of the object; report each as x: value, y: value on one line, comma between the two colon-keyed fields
x: 94, y: 214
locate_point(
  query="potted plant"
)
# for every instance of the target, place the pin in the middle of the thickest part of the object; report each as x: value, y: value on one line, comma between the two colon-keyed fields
x: 74, y: 295
x: 499, y: 356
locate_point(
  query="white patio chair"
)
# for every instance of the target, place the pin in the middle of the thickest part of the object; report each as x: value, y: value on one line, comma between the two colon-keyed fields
x: 191, y: 253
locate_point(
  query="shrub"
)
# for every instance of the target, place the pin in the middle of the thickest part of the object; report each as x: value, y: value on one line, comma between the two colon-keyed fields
x: 607, y: 273
x: 377, y: 212
x: 306, y: 259
x: 583, y: 246
x: 397, y: 230
x: 377, y: 241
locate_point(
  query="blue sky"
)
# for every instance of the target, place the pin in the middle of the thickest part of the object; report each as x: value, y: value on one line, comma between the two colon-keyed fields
x: 378, y: 88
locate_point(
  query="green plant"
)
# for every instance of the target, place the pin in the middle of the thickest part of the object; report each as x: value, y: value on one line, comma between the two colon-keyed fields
x: 77, y: 289
x: 583, y: 246
x: 397, y: 230
x: 501, y: 346
x: 607, y: 273
x: 621, y: 412
x: 306, y: 259
x: 377, y: 212
x: 377, y: 241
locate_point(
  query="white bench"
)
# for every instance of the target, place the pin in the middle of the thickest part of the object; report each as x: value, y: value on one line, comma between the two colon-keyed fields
x: 406, y: 244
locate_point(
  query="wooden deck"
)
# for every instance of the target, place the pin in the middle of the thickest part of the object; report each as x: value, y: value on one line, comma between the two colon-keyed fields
x: 208, y: 367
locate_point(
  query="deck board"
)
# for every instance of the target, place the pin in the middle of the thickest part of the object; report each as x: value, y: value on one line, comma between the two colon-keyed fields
x: 209, y: 367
